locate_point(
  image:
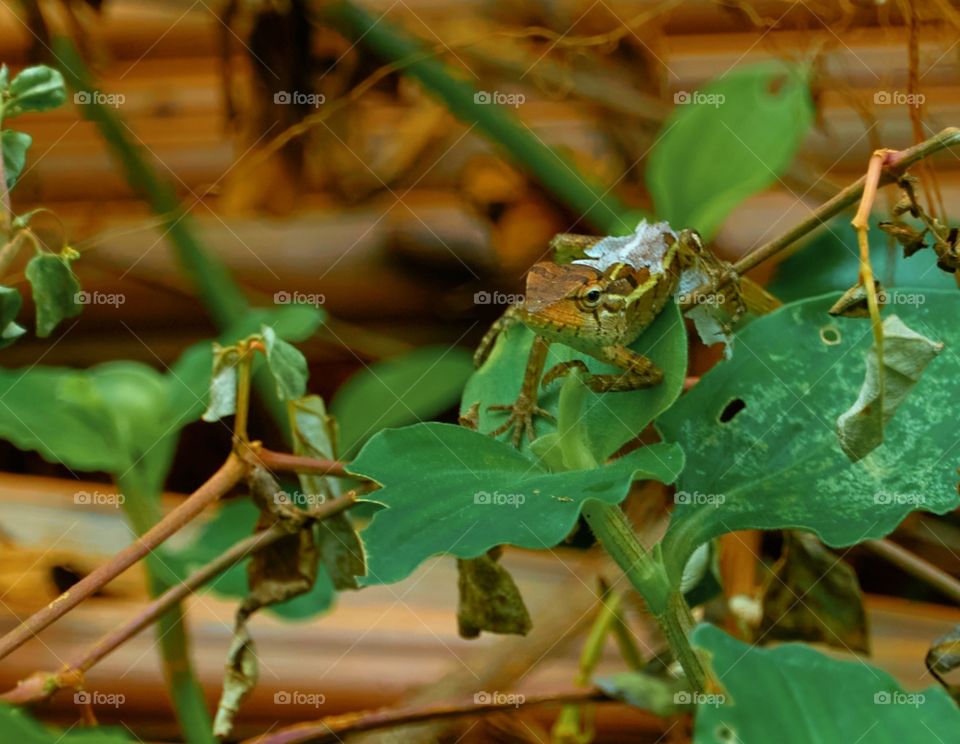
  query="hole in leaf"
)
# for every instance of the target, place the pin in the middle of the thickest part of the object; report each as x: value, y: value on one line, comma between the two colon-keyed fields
x: 731, y: 409
x: 830, y: 335
x: 725, y: 733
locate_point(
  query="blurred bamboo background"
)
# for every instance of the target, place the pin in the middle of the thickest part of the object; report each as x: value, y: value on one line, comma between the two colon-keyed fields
x: 397, y: 214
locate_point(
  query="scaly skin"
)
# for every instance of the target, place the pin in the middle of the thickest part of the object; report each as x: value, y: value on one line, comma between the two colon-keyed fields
x: 598, y: 313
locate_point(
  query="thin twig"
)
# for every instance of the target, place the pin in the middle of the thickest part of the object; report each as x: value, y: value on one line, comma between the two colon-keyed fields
x: 219, y: 484
x: 895, y: 166
x: 332, y: 728
x: 300, y: 464
x: 916, y: 566
x: 42, y: 685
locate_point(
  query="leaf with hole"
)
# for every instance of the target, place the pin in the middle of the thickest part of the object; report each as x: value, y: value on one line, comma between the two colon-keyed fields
x: 760, y: 439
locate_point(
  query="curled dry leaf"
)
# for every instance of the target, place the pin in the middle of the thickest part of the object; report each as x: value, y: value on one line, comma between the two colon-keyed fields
x: 285, y: 569
x: 489, y: 598
x: 831, y: 609
x: 906, y: 355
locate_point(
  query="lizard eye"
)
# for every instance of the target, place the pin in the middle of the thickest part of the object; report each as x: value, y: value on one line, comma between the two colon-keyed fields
x: 592, y: 296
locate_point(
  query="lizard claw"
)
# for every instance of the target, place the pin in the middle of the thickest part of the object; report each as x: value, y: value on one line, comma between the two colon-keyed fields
x: 522, y: 414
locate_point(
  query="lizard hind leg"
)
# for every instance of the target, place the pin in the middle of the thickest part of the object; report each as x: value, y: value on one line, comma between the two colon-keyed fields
x: 638, y: 371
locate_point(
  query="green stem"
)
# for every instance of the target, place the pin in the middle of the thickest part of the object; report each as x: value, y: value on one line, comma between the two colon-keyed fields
x: 220, y: 295
x: 142, y: 509
x: 649, y: 577
x: 557, y: 174
x: 215, y: 288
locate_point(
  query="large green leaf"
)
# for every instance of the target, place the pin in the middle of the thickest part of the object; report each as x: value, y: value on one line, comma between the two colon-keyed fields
x: 760, y: 435
x: 727, y: 141
x: 796, y: 695
x: 17, y: 726
x: 111, y: 417
x: 402, y: 390
x: 452, y: 490
x: 609, y: 419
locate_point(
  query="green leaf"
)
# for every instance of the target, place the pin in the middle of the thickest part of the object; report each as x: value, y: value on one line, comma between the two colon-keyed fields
x: 223, y: 383
x: 287, y: 365
x: 291, y: 322
x: 726, y: 142
x: 906, y: 355
x: 10, y: 302
x: 610, y: 419
x: 17, y: 726
x: 112, y: 417
x: 38, y: 88
x: 15, y: 145
x: 830, y: 262
x: 55, y: 289
x: 452, y: 490
x: 402, y: 390
x: 794, y: 694
x: 760, y: 439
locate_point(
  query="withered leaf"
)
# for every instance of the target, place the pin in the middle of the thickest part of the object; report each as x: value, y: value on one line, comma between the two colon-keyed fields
x: 812, y: 596
x: 315, y: 435
x: 906, y: 355
x: 853, y: 302
x: 283, y: 570
x: 489, y: 598
x: 239, y: 678
x: 906, y: 235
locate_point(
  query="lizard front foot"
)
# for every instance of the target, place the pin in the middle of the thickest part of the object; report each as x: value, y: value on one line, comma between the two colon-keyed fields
x: 522, y: 413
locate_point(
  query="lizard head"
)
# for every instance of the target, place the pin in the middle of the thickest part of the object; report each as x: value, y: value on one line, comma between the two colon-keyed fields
x: 573, y: 301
